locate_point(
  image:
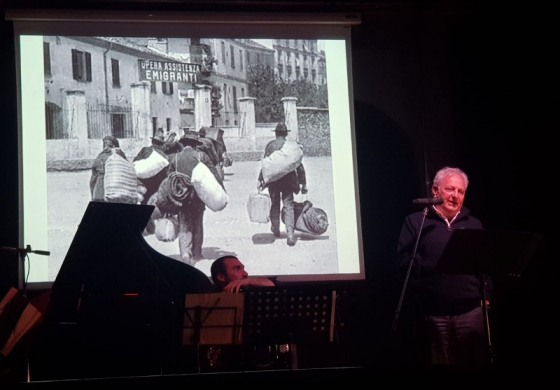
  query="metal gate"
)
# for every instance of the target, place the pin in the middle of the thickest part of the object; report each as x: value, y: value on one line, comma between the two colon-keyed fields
x: 109, y: 119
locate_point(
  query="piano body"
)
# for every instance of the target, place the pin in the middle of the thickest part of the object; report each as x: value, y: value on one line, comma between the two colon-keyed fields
x: 116, y: 307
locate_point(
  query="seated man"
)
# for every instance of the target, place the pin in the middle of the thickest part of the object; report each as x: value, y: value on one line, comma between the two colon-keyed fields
x: 229, y: 275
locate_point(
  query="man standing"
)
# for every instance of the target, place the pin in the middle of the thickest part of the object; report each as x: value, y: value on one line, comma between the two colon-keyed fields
x: 97, y: 179
x: 282, y: 190
x: 448, y: 318
x: 191, y: 210
x: 210, y: 147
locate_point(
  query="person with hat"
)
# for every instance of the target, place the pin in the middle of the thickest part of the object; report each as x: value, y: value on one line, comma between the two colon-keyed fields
x: 161, y: 146
x: 208, y: 145
x: 191, y: 209
x: 171, y: 144
x: 283, y: 189
x: 96, y: 181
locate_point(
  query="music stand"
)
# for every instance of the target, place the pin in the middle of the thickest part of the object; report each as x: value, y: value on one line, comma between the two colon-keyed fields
x: 278, y: 319
x: 289, y: 315
x: 214, y: 320
x: 488, y: 253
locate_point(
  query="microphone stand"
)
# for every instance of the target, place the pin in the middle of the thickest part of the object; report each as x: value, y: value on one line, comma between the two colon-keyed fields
x: 23, y: 252
x: 407, y: 277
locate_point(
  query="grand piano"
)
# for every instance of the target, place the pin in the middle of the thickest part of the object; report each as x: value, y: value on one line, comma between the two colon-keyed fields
x: 116, y: 306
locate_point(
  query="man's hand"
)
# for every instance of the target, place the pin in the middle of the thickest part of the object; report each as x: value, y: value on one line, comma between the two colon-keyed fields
x: 304, y: 189
x: 235, y: 285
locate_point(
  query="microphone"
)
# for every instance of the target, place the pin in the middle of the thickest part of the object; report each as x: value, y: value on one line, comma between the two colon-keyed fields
x: 427, y: 201
x: 23, y: 251
x: 43, y: 253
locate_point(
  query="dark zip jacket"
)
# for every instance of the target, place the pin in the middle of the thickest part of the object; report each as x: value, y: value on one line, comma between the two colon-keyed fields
x: 434, y: 292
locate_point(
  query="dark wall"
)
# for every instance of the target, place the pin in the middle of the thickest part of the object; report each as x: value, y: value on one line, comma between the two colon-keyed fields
x: 499, y: 61
x: 8, y: 161
x: 462, y: 86
x: 450, y: 83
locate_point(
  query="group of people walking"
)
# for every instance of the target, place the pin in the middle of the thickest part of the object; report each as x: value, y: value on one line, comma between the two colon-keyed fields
x: 179, y: 190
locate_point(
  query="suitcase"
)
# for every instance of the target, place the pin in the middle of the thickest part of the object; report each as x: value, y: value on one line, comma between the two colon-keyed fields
x: 166, y: 228
x: 258, y: 207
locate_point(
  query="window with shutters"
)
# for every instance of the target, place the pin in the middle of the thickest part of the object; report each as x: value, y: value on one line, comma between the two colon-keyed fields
x: 81, y: 65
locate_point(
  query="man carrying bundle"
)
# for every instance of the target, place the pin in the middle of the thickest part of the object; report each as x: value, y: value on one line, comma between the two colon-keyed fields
x: 282, y: 173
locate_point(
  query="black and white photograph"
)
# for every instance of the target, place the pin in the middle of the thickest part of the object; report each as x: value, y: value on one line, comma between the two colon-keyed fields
x: 116, y: 119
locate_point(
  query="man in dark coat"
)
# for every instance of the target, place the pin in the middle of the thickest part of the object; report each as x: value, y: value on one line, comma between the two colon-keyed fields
x: 191, y: 210
x: 283, y: 189
x: 448, y: 318
x: 97, y: 179
x: 207, y: 145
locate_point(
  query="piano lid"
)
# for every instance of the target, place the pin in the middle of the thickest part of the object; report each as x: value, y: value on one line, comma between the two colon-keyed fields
x: 110, y: 257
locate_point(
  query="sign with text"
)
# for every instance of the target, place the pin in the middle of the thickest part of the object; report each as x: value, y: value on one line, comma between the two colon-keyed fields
x: 151, y: 70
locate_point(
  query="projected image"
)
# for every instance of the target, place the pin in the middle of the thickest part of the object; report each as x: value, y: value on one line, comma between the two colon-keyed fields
x: 109, y: 119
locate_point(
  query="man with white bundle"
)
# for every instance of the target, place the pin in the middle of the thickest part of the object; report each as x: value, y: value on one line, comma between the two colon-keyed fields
x: 282, y: 173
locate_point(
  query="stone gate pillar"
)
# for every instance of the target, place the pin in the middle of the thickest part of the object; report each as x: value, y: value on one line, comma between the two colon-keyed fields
x: 140, y: 105
x: 290, y: 115
x: 202, y: 106
x: 75, y: 119
x: 248, y: 124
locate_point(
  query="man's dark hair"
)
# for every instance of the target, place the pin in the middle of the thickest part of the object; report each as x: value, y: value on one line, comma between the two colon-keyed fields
x: 218, y: 267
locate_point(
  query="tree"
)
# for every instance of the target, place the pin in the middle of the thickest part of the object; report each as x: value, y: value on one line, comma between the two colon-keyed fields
x: 263, y: 85
x: 215, y: 96
x: 268, y: 90
x: 308, y: 94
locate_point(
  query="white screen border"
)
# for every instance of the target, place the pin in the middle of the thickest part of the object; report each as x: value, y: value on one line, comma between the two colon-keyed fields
x: 334, y: 29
